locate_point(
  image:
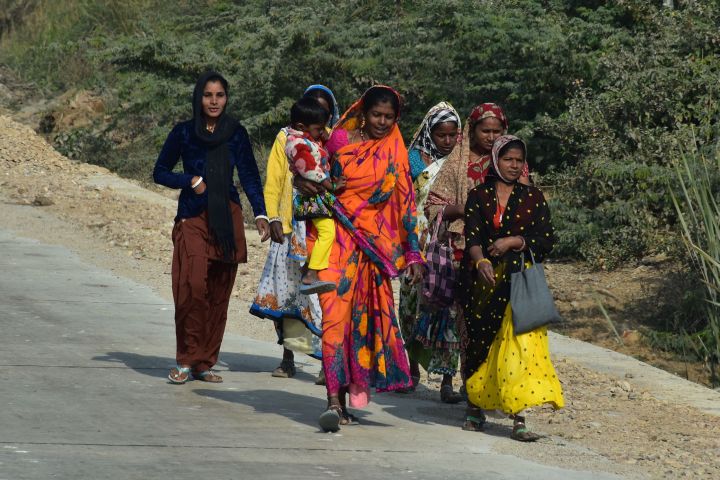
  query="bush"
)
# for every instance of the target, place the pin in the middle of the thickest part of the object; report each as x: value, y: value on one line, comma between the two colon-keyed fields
x: 82, y: 144
x: 602, y: 90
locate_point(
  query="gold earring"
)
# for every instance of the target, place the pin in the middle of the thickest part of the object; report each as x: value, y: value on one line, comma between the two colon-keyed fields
x: 362, y: 123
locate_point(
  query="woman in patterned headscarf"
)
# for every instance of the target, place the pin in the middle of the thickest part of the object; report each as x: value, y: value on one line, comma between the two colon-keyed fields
x: 504, y: 221
x: 430, y: 330
x: 466, y: 167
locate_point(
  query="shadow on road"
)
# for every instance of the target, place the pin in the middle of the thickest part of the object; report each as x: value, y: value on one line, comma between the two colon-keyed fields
x: 300, y: 408
x: 303, y: 409
x: 156, y: 366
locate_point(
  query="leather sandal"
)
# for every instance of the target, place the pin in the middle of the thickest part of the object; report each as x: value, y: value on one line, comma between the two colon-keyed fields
x: 521, y: 433
x: 208, y: 376
x: 286, y: 369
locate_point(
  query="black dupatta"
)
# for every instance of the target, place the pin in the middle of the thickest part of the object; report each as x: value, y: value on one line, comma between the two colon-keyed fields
x: 218, y: 171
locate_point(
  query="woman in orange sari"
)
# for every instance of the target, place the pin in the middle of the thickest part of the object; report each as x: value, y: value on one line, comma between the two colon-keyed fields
x: 376, y: 239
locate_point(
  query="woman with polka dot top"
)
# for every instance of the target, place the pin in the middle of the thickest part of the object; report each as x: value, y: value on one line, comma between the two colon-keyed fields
x: 504, y: 218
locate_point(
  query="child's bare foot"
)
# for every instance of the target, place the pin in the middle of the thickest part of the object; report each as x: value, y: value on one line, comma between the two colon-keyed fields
x: 310, y: 277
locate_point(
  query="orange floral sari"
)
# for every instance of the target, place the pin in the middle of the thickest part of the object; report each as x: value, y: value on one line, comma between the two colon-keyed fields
x: 376, y: 238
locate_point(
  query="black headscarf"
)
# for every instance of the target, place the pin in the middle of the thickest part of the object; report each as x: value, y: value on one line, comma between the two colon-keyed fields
x: 218, y: 173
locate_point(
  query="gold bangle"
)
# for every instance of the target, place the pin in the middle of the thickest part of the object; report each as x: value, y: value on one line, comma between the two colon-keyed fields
x: 477, y: 264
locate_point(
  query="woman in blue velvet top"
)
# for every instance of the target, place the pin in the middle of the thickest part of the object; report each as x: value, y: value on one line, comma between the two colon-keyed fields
x: 208, y: 236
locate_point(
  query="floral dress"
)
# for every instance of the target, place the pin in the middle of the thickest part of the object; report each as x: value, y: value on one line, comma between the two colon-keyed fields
x: 429, y: 331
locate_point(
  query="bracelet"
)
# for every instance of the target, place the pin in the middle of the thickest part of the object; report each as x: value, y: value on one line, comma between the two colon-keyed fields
x: 196, y: 184
x: 262, y: 217
x: 275, y: 219
x: 477, y: 264
x: 522, y: 247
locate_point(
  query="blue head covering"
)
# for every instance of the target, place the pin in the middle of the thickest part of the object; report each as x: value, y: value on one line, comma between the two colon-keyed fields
x: 334, y: 110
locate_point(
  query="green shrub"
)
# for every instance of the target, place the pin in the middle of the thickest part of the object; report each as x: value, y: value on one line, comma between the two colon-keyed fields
x: 602, y: 90
x: 83, y: 144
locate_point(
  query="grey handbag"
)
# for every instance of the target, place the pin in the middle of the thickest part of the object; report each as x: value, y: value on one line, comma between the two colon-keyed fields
x: 530, y: 298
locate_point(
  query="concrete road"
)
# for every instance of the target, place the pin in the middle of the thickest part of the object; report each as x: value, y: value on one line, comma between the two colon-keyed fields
x: 83, y: 395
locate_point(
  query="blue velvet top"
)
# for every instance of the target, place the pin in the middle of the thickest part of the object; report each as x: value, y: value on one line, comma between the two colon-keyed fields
x: 182, y: 143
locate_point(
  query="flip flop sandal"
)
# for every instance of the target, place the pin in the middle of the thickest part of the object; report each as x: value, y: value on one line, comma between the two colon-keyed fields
x: 448, y: 396
x: 317, y: 287
x: 175, y: 379
x: 330, y: 419
x: 208, y: 376
x: 522, y: 434
x: 474, y: 420
x: 285, y: 370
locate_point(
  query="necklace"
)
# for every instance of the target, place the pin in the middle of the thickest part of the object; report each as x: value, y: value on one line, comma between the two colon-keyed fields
x: 209, y: 128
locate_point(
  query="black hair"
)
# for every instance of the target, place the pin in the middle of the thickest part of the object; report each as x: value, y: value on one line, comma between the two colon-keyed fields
x: 376, y: 95
x: 513, y: 144
x: 308, y: 111
x: 319, y: 93
x: 216, y: 77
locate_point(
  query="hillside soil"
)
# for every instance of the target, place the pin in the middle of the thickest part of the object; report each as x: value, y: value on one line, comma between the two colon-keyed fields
x: 49, y: 197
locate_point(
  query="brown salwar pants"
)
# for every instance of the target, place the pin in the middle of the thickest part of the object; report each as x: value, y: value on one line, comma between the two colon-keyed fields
x: 202, y: 284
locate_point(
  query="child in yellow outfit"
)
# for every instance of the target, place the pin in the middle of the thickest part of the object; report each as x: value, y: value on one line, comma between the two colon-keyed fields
x: 309, y: 159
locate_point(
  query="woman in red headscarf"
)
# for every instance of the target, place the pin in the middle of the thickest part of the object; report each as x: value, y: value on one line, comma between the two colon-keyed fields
x: 465, y: 168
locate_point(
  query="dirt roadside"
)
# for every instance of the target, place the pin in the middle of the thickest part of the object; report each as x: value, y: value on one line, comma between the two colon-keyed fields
x: 608, y: 425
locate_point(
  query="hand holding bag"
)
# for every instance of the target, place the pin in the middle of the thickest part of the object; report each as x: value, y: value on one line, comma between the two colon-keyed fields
x: 530, y: 298
x: 438, y: 286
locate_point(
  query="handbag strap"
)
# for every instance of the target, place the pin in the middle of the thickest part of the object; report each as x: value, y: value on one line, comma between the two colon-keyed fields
x: 438, y: 222
x: 522, y: 259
